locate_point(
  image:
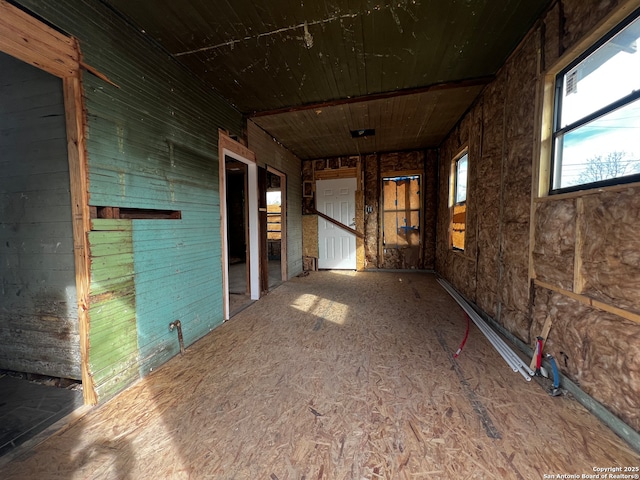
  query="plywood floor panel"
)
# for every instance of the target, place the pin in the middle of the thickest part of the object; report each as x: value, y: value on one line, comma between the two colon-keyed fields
x: 333, y: 376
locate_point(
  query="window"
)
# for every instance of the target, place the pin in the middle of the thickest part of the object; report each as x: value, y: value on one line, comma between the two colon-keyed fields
x: 458, y: 203
x: 401, y: 211
x: 597, y: 114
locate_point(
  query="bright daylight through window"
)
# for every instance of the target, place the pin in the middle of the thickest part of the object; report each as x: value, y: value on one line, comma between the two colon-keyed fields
x: 459, y: 200
x: 597, y: 124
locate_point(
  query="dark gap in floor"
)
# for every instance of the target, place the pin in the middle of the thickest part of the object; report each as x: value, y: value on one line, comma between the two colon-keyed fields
x: 31, y: 403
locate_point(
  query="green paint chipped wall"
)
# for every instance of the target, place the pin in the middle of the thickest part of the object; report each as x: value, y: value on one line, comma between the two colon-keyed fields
x: 146, y: 273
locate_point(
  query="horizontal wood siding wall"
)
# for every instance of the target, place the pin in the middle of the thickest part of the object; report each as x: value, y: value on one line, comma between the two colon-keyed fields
x: 269, y: 152
x: 177, y: 262
x: 38, y: 304
x: 114, y: 347
x: 132, y: 132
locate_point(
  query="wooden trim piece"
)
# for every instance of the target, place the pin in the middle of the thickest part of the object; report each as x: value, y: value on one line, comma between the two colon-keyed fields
x: 578, y: 278
x: 337, y: 223
x: 583, y: 193
x: 224, y: 254
x: 284, y: 260
x: 360, y: 240
x: 98, y: 74
x: 401, y: 173
x: 334, y: 173
x: 596, y: 33
x: 473, y: 82
x: 546, y: 137
x: 626, y: 314
x: 81, y: 223
x: 33, y: 42
x: 225, y: 141
x: 537, y: 170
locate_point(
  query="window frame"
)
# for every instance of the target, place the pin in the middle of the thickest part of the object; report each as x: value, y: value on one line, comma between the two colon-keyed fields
x: 453, y: 203
x: 398, y: 175
x: 557, y: 133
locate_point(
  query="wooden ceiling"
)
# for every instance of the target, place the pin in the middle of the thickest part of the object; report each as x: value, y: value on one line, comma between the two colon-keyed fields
x: 281, y: 62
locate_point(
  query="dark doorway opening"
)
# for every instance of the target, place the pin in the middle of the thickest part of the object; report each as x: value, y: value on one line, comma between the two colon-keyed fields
x: 237, y: 234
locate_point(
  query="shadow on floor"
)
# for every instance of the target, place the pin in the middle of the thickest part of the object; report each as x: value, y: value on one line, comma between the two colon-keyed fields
x: 28, y: 408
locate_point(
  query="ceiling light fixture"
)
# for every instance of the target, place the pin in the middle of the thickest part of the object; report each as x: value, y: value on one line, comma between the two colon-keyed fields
x: 363, y: 132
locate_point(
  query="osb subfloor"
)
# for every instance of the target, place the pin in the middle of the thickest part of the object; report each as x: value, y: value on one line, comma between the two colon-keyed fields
x: 333, y: 376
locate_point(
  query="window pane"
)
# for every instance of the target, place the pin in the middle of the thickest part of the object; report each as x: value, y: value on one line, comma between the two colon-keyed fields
x: 608, y: 74
x: 390, y: 223
x: 608, y: 147
x: 458, y: 226
x: 461, y: 178
x: 401, y: 211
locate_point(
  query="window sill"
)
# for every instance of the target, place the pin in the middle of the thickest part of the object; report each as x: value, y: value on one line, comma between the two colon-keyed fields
x: 587, y: 191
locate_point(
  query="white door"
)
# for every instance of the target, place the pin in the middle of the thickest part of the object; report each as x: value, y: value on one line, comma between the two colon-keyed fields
x: 337, y: 247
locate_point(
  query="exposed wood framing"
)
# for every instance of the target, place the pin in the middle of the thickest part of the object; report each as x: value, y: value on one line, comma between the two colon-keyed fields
x: 584, y: 193
x: 536, y: 171
x: 33, y: 42
x: 634, y: 317
x: 578, y: 278
x: 474, y: 82
x: 338, y: 224
x: 360, y: 241
x: 333, y: 173
x: 98, y: 74
x: 225, y: 142
x: 283, y: 222
x: 79, y: 182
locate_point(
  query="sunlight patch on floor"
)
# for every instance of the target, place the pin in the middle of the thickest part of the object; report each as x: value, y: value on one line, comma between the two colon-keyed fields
x: 323, y: 308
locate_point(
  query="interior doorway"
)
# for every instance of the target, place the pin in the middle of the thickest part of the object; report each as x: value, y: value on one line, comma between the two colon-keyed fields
x: 40, y: 355
x: 276, y: 231
x: 336, y: 246
x: 240, y: 237
x: 237, y: 234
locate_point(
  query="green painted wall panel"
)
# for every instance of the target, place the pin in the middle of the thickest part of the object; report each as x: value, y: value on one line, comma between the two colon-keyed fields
x: 152, y: 143
x: 112, y: 314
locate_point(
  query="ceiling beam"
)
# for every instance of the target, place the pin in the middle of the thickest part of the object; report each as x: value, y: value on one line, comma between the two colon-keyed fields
x: 473, y: 82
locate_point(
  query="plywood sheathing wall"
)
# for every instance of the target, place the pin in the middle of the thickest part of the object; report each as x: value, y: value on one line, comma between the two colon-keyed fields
x: 585, y: 252
x: 372, y: 168
x: 151, y: 143
x: 270, y: 153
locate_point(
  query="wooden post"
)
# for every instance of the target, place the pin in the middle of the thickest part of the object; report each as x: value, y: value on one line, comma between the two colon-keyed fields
x: 81, y: 223
x: 578, y: 278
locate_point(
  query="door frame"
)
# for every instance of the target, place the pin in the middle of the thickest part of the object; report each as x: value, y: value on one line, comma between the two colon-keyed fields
x: 355, y: 190
x: 283, y: 221
x: 60, y: 56
x: 228, y: 147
